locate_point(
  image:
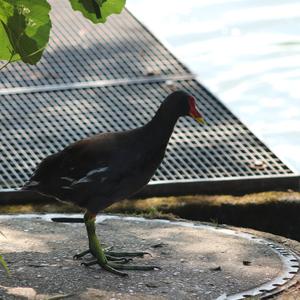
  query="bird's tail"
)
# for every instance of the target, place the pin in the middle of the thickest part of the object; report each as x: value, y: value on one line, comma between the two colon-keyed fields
x: 23, y: 196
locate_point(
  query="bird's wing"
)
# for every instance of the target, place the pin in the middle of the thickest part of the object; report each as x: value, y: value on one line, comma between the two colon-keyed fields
x: 70, y: 165
x: 98, y: 174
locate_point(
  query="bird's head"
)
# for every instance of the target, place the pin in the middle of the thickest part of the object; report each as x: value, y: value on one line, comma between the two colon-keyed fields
x: 186, y: 105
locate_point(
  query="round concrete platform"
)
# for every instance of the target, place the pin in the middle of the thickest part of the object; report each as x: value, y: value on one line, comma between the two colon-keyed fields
x: 198, y: 261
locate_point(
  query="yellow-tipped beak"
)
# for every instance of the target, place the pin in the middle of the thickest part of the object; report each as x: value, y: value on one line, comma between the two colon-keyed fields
x: 199, y: 120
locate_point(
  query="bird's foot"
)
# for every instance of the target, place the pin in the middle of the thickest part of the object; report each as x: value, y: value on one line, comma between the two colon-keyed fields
x: 109, y: 260
x: 113, y: 261
x: 109, y: 257
x: 114, y: 267
x: 114, y: 255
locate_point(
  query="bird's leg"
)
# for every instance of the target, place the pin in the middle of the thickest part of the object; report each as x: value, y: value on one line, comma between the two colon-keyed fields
x: 97, y: 251
x: 94, y: 244
x: 123, y: 256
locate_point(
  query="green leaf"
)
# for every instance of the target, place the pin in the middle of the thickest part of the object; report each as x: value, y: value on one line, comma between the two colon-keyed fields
x: 3, y: 263
x: 98, y: 10
x: 24, y: 29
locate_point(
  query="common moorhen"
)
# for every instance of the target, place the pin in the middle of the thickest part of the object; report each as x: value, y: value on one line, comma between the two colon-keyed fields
x: 108, y: 167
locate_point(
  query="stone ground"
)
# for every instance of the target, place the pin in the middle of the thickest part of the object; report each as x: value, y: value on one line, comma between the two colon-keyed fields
x: 196, y: 263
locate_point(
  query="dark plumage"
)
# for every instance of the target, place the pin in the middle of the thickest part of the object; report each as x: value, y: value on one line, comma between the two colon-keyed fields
x: 107, y: 167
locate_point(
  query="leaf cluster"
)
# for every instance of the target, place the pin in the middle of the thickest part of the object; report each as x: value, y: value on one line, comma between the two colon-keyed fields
x: 25, y: 25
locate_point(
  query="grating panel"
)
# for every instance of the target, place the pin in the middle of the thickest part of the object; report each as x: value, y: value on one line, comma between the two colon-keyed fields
x: 81, y: 51
x: 100, y: 78
x: 38, y: 124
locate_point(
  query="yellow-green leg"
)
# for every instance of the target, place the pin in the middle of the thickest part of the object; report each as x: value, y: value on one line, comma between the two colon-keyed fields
x: 116, y: 262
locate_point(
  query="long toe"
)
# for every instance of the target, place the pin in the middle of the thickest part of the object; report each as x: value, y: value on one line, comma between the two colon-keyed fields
x: 113, y: 270
x: 127, y: 253
x: 123, y: 260
x: 79, y: 255
x: 133, y: 267
x: 90, y: 263
x: 106, y: 266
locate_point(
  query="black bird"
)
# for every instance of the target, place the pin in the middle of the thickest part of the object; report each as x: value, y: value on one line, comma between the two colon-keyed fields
x: 97, y: 171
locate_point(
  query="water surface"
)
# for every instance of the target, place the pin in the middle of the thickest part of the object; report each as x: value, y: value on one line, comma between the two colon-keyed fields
x: 247, y: 52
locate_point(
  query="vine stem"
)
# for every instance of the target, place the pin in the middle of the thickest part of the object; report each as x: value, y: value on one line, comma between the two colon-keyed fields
x: 8, y: 62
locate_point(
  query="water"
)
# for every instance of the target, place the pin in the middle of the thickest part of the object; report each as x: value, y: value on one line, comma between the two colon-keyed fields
x: 247, y: 52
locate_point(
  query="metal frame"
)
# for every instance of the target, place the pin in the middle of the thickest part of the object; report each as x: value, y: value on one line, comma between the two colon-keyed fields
x: 92, y: 84
x: 232, y: 186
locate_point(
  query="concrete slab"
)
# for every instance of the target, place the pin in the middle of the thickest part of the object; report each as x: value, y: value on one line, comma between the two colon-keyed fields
x: 197, y: 261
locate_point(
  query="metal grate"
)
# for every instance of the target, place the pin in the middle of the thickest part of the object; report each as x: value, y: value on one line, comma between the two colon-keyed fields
x: 38, y: 124
x: 63, y: 101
